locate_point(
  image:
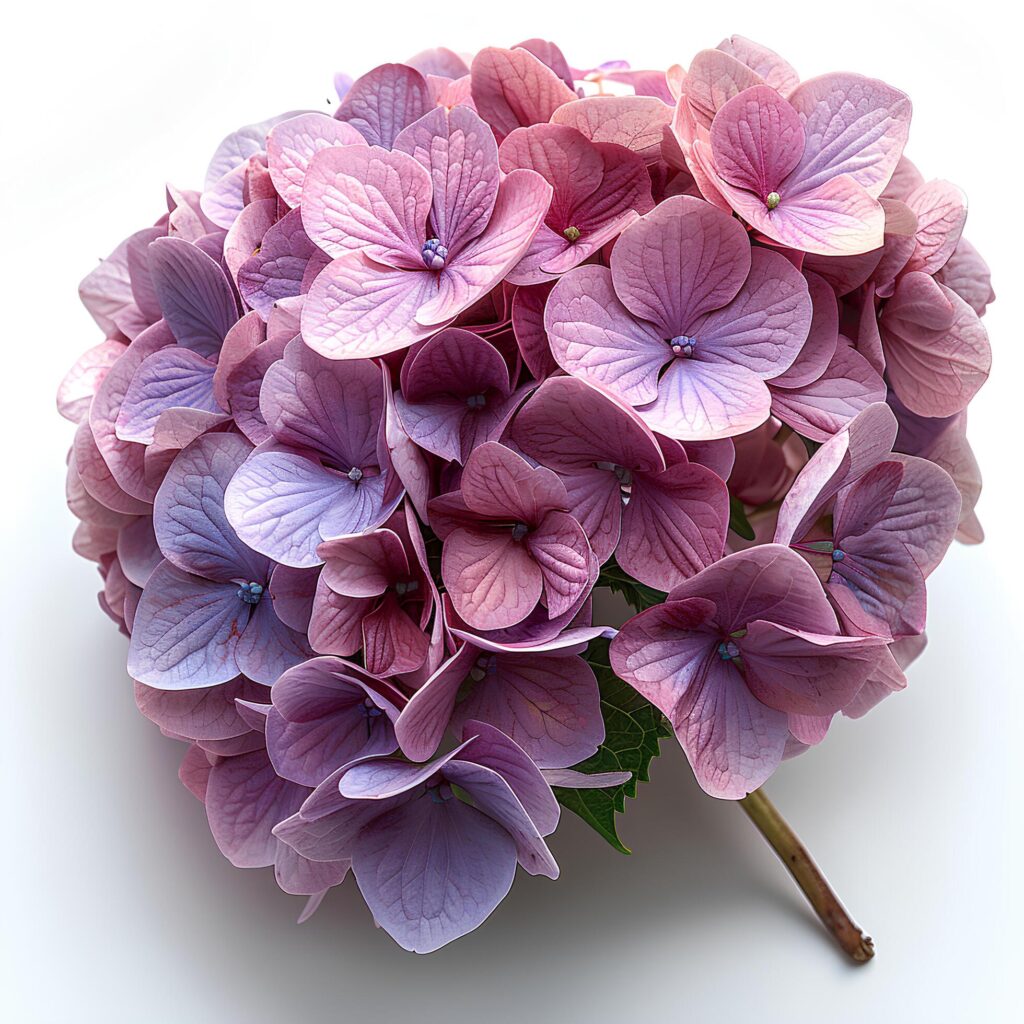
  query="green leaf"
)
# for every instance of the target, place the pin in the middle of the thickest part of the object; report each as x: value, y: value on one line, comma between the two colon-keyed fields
x: 738, y: 522
x: 638, y: 595
x: 633, y: 731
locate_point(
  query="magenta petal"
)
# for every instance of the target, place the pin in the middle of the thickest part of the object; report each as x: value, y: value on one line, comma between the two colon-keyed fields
x: 461, y: 156
x: 245, y: 799
x: 549, y: 704
x: 636, y: 122
x: 369, y: 200
x: 430, y: 872
x: 821, y: 408
x: 936, y: 348
x: 500, y: 484
x: 512, y: 89
x: 655, y: 276
x: 423, y: 721
x: 519, y: 210
x: 560, y: 547
x: 492, y: 578
x: 392, y: 642
x: 853, y: 451
x: 674, y: 525
x: 733, y: 742
x: 757, y: 139
x: 805, y: 673
x: 202, y: 714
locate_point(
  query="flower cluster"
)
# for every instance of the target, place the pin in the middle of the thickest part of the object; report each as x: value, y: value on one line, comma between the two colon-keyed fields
x: 379, y: 408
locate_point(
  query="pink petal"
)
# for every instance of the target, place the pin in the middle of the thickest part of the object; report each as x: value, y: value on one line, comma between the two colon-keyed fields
x: 512, y: 89
x: 292, y: 144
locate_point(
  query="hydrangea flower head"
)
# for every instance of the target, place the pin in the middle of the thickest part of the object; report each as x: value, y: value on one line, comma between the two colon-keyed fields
x: 382, y: 422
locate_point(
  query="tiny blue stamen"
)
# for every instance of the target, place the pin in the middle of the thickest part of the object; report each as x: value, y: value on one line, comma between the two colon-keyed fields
x: 476, y: 401
x: 251, y: 592
x: 838, y: 554
x: 434, y: 254
x: 355, y: 474
x: 727, y: 650
x: 370, y: 710
x: 519, y: 531
x: 682, y: 346
x: 440, y: 793
x: 403, y: 587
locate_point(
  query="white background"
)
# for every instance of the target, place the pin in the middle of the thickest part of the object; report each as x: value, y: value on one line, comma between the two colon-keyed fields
x: 117, y: 905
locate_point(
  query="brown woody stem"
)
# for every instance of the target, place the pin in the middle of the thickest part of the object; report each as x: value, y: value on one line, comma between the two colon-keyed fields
x: 794, y: 855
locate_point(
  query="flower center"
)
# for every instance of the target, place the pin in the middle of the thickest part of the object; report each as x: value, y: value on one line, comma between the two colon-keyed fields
x: 404, y: 587
x: 572, y: 234
x: 441, y: 793
x: 519, y: 531
x: 682, y: 346
x: 476, y: 401
x: 251, y: 592
x: 727, y: 650
x: 838, y: 554
x: 369, y: 709
x: 434, y: 254
x: 772, y: 200
x: 355, y: 474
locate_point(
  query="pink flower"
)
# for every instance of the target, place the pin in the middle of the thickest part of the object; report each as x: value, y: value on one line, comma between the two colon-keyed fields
x: 419, y: 233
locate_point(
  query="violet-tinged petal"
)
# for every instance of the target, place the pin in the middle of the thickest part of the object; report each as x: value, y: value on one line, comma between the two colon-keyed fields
x: 267, y: 647
x: 592, y: 335
x: 493, y: 795
x: 189, y: 519
x: 276, y: 270
x: 700, y: 401
x: 284, y: 505
x: 172, y: 378
x: 656, y: 275
x: 194, y: 294
x: 432, y: 871
x: 186, y: 631
x: 383, y: 102
x: 854, y: 126
x: 500, y: 484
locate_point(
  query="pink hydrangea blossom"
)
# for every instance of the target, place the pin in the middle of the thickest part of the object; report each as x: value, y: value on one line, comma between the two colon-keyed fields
x: 377, y: 422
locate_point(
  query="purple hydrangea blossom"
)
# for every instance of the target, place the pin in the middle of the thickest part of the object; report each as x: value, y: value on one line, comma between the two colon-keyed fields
x: 375, y: 415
